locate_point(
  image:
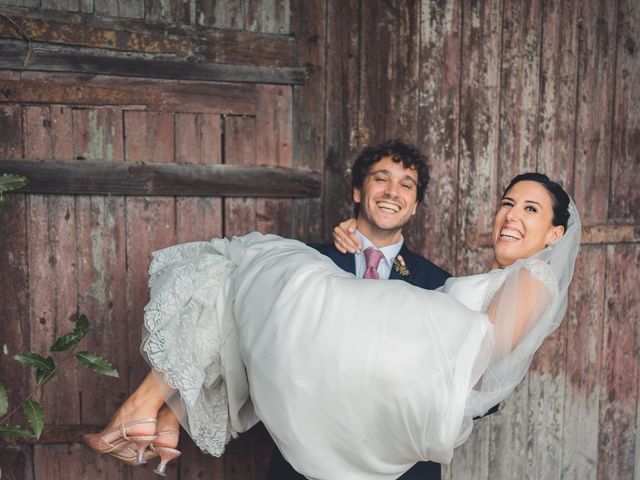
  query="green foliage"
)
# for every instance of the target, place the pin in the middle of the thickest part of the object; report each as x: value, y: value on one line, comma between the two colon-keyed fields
x: 10, y: 182
x: 35, y: 415
x: 4, y: 400
x: 45, y: 369
x: 97, y: 364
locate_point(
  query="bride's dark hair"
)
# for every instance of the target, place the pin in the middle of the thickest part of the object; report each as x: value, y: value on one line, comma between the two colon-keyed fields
x: 559, y: 198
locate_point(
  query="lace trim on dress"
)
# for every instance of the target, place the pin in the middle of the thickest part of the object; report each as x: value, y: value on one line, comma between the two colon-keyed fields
x: 538, y: 269
x: 183, y: 339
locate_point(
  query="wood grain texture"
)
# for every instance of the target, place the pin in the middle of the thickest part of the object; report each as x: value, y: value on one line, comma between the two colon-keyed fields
x: 624, y: 203
x: 619, y: 389
x: 46, y: 57
x: 308, y: 24
x: 595, y: 84
x: 439, y: 126
x: 341, y: 118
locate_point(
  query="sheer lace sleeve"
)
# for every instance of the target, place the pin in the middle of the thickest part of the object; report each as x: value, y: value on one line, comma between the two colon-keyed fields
x: 525, y: 302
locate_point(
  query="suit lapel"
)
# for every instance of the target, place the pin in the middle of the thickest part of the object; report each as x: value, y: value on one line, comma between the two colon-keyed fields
x: 406, y: 254
x: 346, y: 261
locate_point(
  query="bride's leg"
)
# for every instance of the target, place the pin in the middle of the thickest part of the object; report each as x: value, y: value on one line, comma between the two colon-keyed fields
x: 133, y: 426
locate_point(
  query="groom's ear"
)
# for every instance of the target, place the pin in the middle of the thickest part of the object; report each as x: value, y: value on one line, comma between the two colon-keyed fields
x: 357, y: 195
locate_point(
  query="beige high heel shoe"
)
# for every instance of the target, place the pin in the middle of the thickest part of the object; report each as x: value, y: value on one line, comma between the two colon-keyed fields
x: 121, y: 441
x: 167, y: 454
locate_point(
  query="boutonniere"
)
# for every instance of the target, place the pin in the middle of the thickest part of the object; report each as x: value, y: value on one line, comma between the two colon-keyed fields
x: 400, y: 267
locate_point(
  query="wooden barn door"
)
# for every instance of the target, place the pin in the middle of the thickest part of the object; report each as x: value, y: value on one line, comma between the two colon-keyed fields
x: 64, y: 254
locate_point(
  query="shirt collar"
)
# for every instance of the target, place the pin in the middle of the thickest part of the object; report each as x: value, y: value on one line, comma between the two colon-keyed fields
x: 390, y: 252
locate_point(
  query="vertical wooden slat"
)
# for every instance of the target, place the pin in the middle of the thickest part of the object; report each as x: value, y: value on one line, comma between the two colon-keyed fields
x: 480, y: 82
x: 309, y: 27
x: 625, y: 148
x: 168, y: 11
x: 273, y: 141
x: 388, y: 102
x: 558, y: 85
x: 52, y: 256
x: 268, y: 16
x: 519, y: 89
x: 150, y: 221
x: 198, y: 141
x: 15, y: 326
x: 342, y: 136
x: 221, y: 13
x: 438, y: 126
x: 52, y: 268
x: 596, y: 62
x: 479, y: 107
x: 619, y: 392
x: 583, y: 360
x: 240, y: 149
x: 98, y: 135
x: 58, y: 461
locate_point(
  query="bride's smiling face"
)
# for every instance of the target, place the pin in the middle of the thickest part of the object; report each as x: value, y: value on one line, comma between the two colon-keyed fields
x: 523, y: 224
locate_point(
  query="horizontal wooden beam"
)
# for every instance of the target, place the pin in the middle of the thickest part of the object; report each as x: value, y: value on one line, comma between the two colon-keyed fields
x: 18, y: 55
x: 591, y: 235
x: 209, y: 44
x: 150, y: 179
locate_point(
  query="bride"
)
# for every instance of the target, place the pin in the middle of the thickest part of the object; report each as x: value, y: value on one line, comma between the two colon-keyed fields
x: 353, y: 379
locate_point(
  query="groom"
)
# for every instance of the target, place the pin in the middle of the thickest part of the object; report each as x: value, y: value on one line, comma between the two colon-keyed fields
x: 388, y: 182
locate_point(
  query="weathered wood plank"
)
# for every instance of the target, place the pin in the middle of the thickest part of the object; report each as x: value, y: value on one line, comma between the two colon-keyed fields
x: 50, y: 58
x: 273, y: 141
x: 519, y: 89
x: 239, y: 150
x: 135, y: 93
x: 221, y: 13
x: 625, y: 148
x: 438, y: 127
x: 583, y: 361
x: 619, y: 392
x: 267, y: 16
x: 52, y: 258
x: 198, y: 141
x: 220, y: 45
x: 15, y: 326
x: 341, y: 116
x: 478, y: 149
x: 308, y: 19
x: 167, y: 12
x: 150, y: 223
x: 98, y: 178
x: 479, y: 123
x: 596, y: 61
x: 389, y: 83
x: 558, y: 86
x: 98, y: 133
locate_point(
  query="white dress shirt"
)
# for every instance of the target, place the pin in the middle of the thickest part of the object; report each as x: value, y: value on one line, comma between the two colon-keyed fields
x: 389, y: 254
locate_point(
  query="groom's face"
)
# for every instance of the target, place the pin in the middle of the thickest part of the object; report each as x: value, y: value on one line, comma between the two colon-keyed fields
x: 388, y: 197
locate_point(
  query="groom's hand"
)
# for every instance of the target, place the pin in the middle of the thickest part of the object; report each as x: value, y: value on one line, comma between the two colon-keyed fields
x: 345, y: 238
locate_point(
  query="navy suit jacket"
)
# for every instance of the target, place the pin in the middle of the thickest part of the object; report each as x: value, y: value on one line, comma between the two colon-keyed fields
x: 423, y: 274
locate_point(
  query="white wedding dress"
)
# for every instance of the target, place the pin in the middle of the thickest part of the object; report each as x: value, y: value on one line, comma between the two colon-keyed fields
x: 354, y: 379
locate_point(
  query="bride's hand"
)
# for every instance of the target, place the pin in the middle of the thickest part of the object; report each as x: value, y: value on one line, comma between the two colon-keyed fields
x: 345, y: 238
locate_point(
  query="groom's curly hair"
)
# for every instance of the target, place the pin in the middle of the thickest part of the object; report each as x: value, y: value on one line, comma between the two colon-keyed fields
x: 399, y: 151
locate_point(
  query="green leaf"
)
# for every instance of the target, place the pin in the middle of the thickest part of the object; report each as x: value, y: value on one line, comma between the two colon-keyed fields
x: 35, y: 415
x: 43, y: 376
x: 66, y: 342
x: 97, y: 364
x: 4, y: 400
x: 11, y: 182
x: 82, y: 326
x: 11, y: 430
x: 36, y: 361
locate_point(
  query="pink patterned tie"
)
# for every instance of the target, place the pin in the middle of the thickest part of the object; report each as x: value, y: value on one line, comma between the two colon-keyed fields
x: 372, y: 256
